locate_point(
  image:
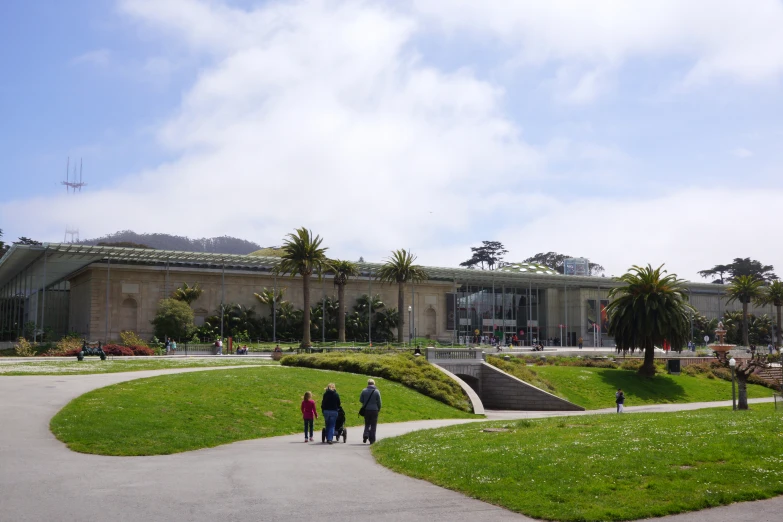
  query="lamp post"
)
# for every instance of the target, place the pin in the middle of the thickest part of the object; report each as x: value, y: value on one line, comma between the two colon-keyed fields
x: 732, y: 364
x: 410, y: 327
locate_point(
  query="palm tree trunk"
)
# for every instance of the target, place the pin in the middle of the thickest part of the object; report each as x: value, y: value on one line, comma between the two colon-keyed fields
x: 648, y: 366
x: 341, y: 313
x: 401, y: 315
x: 306, y: 312
x: 745, y: 324
x: 742, y: 391
x: 777, y: 337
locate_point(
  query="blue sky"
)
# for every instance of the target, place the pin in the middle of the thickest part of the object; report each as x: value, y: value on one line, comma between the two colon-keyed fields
x: 630, y: 133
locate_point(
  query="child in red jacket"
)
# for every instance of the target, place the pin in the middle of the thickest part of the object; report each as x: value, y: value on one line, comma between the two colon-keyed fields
x: 309, y: 413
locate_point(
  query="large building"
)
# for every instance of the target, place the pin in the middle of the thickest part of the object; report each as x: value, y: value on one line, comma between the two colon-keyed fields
x: 100, y: 291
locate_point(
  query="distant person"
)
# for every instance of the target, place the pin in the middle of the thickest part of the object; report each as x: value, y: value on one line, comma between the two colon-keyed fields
x: 219, y: 347
x: 580, y: 342
x: 330, y: 403
x: 371, y: 402
x: 769, y: 348
x: 168, y: 345
x: 173, y: 346
x: 309, y: 414
x: 417, y: 351
x: 619, y: 398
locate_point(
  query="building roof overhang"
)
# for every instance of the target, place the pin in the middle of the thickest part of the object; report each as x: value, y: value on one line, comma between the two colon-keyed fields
x: 53, y: 262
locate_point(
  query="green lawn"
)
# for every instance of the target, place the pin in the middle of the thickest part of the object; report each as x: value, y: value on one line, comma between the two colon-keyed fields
x: 594, y: 388
x: 603, y: 467
x: 46, y: 366
x: 183, y: 412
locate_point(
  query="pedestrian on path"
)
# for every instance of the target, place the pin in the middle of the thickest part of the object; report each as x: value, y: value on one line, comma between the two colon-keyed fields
x: 619, y: 398
x: 173, y: 346
x: 581, y: 341
x: 329, y: 406
x: 168, y: 345
x: 309, y: 414
x: 371, y: 404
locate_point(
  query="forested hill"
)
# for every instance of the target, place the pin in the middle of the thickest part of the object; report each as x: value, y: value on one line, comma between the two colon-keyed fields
x: 222, y: 245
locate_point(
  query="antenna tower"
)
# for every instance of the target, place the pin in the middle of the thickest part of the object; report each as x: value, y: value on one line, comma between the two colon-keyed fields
x: 72, y: 231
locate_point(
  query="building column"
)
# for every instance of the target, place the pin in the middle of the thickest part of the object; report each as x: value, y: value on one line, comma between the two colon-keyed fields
x: 108, y: 291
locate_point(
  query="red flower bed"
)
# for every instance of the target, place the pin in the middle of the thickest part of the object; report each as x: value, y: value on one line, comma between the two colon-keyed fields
x: 142, y: 350
x: 117, y: 349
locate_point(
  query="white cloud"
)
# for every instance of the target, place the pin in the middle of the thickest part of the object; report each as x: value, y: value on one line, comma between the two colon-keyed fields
x: 316, y: 114
x: 741, y: 152
x: 688, y: 230
x: 98, y: 57
x: 322, y: 114
x: 717, y: 38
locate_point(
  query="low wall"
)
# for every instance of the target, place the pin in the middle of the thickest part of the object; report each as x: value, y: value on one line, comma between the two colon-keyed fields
x: 478, y: 406
x: 501, y: 391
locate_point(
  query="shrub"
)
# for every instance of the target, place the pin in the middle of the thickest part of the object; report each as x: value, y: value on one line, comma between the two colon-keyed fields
x: 142, y: 350
x: 173, y: 319
x: 631, y: 365
x: 414, y: 372
x: 519, y: 369
x: 130, y: 338
x: 117, y: 349
x: 24, y: 348
x: 68, y: 346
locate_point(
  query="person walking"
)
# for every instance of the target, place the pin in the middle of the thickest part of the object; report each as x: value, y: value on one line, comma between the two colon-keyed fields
x: 173, y: 346
x: 371, y: 404
x: 309, y: 414
x: 219, y: 346
x: 619, y: 398
x: 168, y: 345
x: 329, y: 406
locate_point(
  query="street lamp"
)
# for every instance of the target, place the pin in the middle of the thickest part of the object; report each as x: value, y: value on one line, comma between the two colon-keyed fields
x: 732, y: 364
x: 410, y: 331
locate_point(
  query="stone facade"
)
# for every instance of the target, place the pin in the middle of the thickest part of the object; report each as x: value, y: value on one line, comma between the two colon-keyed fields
x: 135, y: 291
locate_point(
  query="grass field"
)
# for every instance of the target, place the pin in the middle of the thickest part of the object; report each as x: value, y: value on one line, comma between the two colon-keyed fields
x: 45, y: 366
x: 603, y: 467
x: 594, y: 388
x: 183, y: 412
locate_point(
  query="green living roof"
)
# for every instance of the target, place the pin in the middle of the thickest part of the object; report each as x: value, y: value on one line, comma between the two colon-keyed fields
x: 63, y: 259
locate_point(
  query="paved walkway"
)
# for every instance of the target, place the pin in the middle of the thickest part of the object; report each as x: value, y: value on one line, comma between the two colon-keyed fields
x: 277, y: 479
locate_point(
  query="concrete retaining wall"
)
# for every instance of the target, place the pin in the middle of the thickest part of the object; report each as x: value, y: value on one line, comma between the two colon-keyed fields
x: 501, y: 391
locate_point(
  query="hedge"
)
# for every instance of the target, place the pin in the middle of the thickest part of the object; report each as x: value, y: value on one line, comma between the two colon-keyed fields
x: 411, y: 371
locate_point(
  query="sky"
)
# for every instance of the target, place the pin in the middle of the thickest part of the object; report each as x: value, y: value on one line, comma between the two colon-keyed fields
x: 630, y: 133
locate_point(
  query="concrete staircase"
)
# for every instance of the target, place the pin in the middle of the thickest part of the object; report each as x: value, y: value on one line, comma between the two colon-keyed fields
x: 773, y: 374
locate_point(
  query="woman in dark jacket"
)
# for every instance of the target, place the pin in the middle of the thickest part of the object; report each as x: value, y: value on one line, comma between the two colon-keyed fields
x: 329, y: 406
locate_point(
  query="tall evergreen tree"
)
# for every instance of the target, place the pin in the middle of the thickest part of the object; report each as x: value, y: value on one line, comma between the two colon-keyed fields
x: 745, y: 288
x: 400, y: 269
x: 304, y: 256
x: 342, y: 270
x: 647, y: 310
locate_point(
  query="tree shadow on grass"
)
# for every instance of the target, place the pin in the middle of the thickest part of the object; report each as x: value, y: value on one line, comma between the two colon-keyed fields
x: 659, y: 389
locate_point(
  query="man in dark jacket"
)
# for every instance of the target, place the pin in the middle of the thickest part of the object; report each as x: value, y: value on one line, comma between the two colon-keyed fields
x: 371, y: 400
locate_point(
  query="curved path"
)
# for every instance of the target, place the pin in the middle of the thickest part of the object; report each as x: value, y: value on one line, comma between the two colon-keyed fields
x: 275, y: 479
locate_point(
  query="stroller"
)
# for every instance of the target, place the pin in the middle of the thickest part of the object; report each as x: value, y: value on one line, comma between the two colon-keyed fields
x: 339, y: 427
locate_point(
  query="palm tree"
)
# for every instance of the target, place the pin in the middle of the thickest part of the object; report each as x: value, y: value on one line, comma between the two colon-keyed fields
x: 187, y: 294
x: 745, y: 288
x: 303, y: 255
x: 270, y: 298
x: 649, y: 308
x: 342, y: 270
x: 773, y: 294
x: 399, y: 268
x: 364, y: 301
